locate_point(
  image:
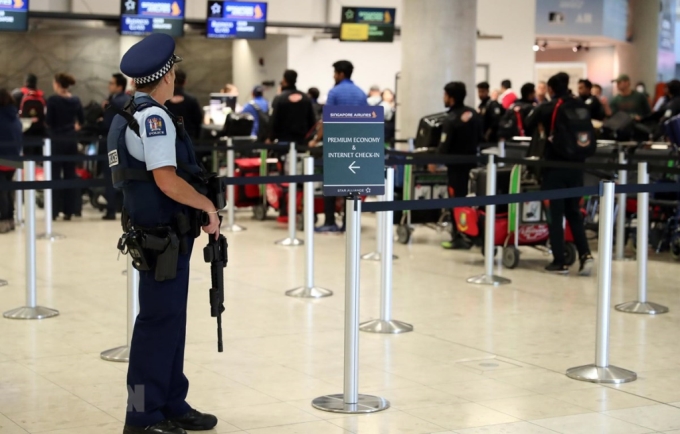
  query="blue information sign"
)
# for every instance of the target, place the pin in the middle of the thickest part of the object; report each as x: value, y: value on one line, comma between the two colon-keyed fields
x: 14, y: 15
x: 353, y: 151
x: 237, y: 20
x: 143, y: 17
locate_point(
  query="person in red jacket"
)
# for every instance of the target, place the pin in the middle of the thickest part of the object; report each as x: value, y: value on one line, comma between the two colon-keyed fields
x: 508, y: 96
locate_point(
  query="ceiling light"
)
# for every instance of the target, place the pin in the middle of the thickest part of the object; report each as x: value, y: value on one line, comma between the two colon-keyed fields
x: 536, y: 47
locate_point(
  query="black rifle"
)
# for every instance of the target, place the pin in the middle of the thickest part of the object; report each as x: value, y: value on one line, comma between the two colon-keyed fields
x: 216, y: 254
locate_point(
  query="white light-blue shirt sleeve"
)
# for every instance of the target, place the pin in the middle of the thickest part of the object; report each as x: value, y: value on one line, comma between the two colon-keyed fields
x: 158, y: 136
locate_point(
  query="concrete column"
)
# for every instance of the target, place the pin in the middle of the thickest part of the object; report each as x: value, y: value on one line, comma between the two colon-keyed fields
x: 639, y: 59
x: 439, y: 45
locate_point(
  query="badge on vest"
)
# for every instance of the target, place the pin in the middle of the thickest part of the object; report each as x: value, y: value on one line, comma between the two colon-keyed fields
x: 113, y: 158
x: 155, y: 126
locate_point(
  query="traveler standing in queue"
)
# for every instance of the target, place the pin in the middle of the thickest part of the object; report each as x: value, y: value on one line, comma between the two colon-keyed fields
x: 31, y: 103
x: 669, y: 109
x: 10, y: 146
x: 345, y: 93
x: 507, y: 96
x: 119, y: 99
x: 547, y: 115
x: 629, y: 100
x: 461, y: 135
x: 542, y: 92
x: 258, y: 107
x: 491, y: 112
x: 513, y: 123
x: 185, y: 106
x: 153, y: 161
x: 64, y: 118
x: 291, y: 121
x: 585, y: 92
x: 314, y: 94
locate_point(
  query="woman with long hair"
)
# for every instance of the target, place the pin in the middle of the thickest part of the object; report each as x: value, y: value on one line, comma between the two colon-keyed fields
x: 64, y: 119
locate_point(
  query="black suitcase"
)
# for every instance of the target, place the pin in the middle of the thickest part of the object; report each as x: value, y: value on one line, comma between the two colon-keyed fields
x: 478, y: 183
x: 430, y: 130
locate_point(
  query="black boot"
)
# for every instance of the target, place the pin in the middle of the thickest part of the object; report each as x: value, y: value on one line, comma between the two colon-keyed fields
x: 196, y: 421
x: 165, y: 427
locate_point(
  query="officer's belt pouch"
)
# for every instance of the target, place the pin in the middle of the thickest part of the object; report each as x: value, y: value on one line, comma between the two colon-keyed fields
x: 183, y: 224
x: 166, y: 261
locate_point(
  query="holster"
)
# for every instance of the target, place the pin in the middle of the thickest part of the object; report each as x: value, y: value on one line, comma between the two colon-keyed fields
x: 167, y: 259
x: 153, y: 249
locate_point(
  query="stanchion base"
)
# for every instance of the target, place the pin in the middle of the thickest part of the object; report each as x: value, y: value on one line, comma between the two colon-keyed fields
x: 37, y: 312
x: 120, y: 354
x: 492, y: 280
x: 391, y: 327
x: 289, y: 242
x: 607, y: 375
x: 3, y: 282
x: 233, y: 228
x: 50, y: 237
x: 646, y: 308
x: 307, y: 292
x: 336, y: 404
x: 124, y: 273
x: 375, y: 256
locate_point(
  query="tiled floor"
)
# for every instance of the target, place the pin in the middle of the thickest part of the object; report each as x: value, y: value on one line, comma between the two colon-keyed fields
x: 481, y: 360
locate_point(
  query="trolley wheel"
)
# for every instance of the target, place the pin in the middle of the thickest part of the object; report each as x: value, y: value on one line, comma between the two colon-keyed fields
x: 259, y: 212
x: 404, y: 234
x: 570, y: 254
x: 510, y: 257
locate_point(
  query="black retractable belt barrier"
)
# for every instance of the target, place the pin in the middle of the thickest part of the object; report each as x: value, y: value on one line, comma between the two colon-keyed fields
x: 53, y: 185
x: 258, y: 180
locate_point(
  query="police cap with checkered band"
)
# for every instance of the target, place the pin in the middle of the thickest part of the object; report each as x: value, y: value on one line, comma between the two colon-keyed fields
x: 150, y: 59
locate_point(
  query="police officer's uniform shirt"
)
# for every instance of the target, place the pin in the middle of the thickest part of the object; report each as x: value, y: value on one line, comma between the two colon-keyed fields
x: 156, y: 146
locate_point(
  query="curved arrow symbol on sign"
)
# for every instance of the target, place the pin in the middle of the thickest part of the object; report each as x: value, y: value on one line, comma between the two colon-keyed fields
x: 352, y: 167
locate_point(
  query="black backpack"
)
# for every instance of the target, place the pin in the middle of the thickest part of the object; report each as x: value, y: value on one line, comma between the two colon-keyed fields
x: 264, y: 126
x: 572, y: 135
x: 512, y: 123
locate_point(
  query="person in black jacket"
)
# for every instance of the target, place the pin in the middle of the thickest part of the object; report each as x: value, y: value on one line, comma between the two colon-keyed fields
x: 491, y: 112
x: 553, y: 179
x: 513, y: 121
x: 10, y: 146
x: 293, y: 114
x: 585, y: 92
x: 668, y: 110
x: 461, y: 135
x: 186, y: 106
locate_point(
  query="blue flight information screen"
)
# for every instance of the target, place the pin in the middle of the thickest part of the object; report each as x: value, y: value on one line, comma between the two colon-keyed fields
x: 237, y: 20
x: 14, y: 15
x: 143, y: 17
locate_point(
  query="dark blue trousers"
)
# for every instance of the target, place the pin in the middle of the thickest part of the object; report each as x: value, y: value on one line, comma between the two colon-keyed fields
x: 157, y: 387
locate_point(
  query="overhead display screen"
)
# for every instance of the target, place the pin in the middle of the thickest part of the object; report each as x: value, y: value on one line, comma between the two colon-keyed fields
x: 237, y: 20
x: 367, y: 24
x: 14, y: 15
x: 143, y: 17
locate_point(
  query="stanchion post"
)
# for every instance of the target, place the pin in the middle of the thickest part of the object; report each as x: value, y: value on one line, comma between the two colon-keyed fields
x: 122, y: 354
x: 376, y: 255
x: 291, y: 240
x: 31, y: 310
x: 20, y: 199
x: 231, y: 192
x: 641, y: 305
x: 602, y: 371
x: 350, y: 401
x: 488, y: 278
x: 309, y: 290
x: 47, y: 195
x: 621, y: 215
x: 386, y: 324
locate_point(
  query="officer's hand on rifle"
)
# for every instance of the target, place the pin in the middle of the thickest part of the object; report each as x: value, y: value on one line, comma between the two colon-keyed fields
x: 213, y: 227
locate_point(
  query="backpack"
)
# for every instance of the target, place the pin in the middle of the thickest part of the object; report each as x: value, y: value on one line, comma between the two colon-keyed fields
x: 572, y: 136
x: 32, y: 105
x: 512, y: 123
x: 264, y: 123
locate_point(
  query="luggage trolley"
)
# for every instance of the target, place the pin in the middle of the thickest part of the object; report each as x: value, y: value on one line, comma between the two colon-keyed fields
x: 419, y: 184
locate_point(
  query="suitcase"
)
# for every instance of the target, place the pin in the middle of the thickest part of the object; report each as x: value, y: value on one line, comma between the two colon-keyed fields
x: 478, y: 183
x: 238, y: 125
x: 430, y: 130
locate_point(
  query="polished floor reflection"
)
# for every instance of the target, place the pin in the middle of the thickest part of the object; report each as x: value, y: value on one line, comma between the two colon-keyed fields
x: 480, y: 361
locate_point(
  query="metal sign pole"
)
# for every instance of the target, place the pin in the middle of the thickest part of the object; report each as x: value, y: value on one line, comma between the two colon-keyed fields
x: 47, y: 195
x: 350, y: 401
x: 621, y: 216
x: 488, y: 278
x: 379, y: 222
x: 231, y: 193
x: 20, y: 200
x: 309, y: 290
x: 122, y: 354
x: 386, y: 324
x: 641, y: 305
x: 601, y: 371
x: 31, y: 310
x: 291, y: 241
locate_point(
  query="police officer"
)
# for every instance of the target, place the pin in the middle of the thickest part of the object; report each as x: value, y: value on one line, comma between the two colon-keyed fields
x: 152, y: 160
x: 461, y: 135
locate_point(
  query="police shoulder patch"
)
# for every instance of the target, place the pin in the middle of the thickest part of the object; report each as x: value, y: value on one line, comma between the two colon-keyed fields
x: 155, y: 126
x: 466, y: 116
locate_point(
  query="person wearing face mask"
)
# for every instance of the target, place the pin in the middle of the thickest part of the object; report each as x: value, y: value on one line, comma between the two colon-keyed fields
x: 461, y: 135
